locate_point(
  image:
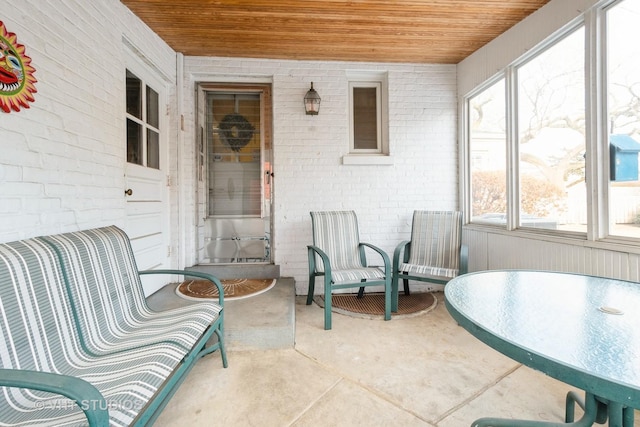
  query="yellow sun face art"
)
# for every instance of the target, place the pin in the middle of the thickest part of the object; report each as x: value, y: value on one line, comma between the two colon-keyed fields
x: 16, y: 73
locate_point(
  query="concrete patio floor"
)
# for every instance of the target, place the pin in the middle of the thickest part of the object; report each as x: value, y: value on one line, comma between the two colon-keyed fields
x: 414, y: 371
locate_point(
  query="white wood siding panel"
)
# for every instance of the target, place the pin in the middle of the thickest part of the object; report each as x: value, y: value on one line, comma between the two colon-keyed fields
x: 518, y: 40
x: 489, y: 251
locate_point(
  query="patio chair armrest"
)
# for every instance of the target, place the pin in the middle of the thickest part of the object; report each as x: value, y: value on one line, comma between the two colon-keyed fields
x: 190, y: 273
x: 403, y: 246
x: 86, y: 396
x: 464, y: 260
x: 383, y: 254
x: 312, y: 250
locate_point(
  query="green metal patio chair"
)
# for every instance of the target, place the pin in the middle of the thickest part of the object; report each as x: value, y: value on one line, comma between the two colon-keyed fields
x: 338, y: 255
x: 434, y: 254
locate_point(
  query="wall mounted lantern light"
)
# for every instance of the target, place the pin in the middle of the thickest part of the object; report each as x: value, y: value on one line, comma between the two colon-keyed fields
x: 312, y: 101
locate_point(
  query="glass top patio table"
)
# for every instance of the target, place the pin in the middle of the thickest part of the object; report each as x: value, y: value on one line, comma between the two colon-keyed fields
x: 582, y: 330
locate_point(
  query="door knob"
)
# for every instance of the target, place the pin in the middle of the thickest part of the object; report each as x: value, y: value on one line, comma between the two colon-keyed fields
x: 128, y: 191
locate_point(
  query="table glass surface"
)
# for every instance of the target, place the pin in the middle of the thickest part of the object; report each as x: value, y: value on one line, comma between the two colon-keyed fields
x: 586, y: 329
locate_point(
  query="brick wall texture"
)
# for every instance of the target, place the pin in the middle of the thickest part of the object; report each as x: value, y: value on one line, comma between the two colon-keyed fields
x: 62, y: 160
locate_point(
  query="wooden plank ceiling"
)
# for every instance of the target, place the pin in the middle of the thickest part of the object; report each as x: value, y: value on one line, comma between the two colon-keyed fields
x: 409, y: 31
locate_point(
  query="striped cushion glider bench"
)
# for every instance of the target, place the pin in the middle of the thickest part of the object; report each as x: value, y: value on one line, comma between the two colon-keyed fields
x: 80, y: 346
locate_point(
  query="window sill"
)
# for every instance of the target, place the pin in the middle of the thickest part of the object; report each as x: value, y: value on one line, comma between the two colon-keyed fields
x: 366, y: 159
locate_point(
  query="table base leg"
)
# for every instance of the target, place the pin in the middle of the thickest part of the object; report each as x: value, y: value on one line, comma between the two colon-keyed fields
x: 591, y: 409
x: 617, y: 414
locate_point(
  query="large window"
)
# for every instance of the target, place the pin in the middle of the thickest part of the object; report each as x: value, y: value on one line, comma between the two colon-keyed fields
x: 541, y: 154
x: 536, y: 177
x: 488, y: 155
x: 623, y: 96
x: 551, y: 137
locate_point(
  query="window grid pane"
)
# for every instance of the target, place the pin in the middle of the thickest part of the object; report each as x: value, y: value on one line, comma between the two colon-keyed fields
x: 134, y: 95
x: 551, y: 123
x: 623, y: 77
x: 152, y: 108
x: 487, y: 155
x: 134, y: 142
x: 365, y: 118
x: 153, y: 149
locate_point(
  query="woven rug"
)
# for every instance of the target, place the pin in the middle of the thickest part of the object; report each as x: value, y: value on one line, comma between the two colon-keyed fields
x: 371, y: 306
x: 233, y: 288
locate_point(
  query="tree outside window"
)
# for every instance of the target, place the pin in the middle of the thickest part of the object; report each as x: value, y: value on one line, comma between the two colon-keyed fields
x: 551, y: 137
x: 551, y: 142
x: 549, y: 117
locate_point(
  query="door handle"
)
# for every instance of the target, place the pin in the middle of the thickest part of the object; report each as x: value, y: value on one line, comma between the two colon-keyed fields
x: 128, y: 192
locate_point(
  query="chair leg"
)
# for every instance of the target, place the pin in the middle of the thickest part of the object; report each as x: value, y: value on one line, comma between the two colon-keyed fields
x: 361, y: 291
x: 570, y: 402
x: 223, y: 351
x: 394, y: 292
x: 327, y: 308
x: 405, y: 282
x: 387, y: 299
x: 312, y: 285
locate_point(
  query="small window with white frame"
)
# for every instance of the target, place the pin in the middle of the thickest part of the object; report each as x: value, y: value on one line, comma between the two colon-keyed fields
x: 367, y: 115
x: 365, y: 120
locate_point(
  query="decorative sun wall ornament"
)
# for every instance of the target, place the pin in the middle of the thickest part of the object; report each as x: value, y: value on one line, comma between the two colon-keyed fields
x: 16, y: 73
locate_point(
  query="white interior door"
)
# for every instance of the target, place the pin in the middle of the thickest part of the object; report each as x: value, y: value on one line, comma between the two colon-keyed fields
x: 146, y: 182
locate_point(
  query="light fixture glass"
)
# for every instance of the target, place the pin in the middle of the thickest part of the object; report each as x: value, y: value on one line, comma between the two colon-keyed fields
x: 312, y: 101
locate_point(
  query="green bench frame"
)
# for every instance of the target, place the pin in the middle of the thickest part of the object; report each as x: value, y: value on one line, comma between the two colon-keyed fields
x: 35, y: 266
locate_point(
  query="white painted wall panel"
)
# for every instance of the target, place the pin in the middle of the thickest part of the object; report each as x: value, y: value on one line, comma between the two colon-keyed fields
x: 489, y: 251
x: 62, y: 160
x: 308, y: 150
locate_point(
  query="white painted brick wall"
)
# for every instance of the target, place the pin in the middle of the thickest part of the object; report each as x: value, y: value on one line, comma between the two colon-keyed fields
x: 308, y: 150
x: 62, y: 160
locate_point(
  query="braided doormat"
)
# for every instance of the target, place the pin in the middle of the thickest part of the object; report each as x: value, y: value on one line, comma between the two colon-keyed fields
x: 232, y: 288
x: 371, y: 306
